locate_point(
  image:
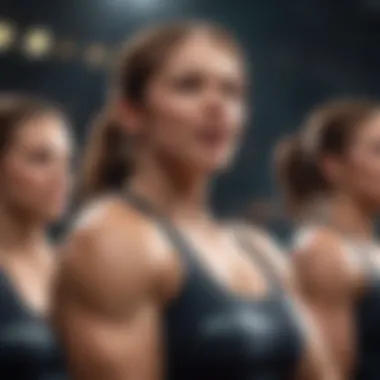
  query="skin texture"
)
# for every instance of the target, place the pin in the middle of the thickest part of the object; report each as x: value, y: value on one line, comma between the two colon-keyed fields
x: 119, y: 272
x: 38, y: 159
x: 111, y: 303
x: 35, y: 179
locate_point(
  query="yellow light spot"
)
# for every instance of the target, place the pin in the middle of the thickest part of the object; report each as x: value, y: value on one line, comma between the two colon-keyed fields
x: 38, y: 43
x: 7, y: 35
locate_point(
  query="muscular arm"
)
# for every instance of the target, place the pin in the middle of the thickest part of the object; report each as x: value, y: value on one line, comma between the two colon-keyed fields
x: 325, y: 284
x: 106, y: 311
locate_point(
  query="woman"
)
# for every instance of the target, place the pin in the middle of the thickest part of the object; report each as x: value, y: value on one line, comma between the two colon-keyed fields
x: 151, y: 286
x: 331, y: 175
x: 34, y: 172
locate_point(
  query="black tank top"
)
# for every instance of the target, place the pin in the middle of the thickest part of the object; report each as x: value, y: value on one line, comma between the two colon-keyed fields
x: 368, y: 322
x: 28, y: 350
x: 213, y: 334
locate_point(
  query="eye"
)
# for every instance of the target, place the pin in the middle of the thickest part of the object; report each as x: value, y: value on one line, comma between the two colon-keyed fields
x: 40, y: 156
x: 188, y: 83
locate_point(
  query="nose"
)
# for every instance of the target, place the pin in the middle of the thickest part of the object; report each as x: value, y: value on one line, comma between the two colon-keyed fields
x: 214, y: 104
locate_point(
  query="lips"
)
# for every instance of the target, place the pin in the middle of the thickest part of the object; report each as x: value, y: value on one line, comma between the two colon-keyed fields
x: 213, y: 135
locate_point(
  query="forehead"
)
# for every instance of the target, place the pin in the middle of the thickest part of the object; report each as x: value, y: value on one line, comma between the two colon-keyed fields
x: 47, y: 130
x: 202, y: 51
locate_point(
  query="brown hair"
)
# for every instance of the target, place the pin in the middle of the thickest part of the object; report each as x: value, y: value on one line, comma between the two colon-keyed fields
x: 15, y: 110
x: 329, y: 130
x: 107, y: 160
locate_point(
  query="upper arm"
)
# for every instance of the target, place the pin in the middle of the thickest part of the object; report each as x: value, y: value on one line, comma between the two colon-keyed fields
x: 325, y: 279
x: 105, y: 309
x: 324, y: 273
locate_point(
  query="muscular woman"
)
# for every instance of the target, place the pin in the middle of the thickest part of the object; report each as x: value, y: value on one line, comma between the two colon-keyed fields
x: 35, y: 150
x: 151, y: 285
x: 331, y: 176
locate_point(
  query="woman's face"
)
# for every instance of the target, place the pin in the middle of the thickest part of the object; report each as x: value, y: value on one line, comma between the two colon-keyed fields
x: 362, y: 166
x: 35, y: 168
x: 195, y: 106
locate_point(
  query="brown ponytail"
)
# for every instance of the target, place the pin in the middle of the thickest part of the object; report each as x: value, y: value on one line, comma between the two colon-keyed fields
x: 328, y: 131
x: 106, y: 159
x: 299, y: 175
x: 106, y: 162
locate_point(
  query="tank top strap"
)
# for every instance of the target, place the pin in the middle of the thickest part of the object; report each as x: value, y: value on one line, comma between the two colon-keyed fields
x: 363, y: 256
x: 302, y: 235
x: 250, y: 246
x: 163, y: 223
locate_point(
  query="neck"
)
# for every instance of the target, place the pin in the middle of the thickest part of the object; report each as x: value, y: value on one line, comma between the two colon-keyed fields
x: 343, y: 213
x: 20, y: 234
x: 172, y: 191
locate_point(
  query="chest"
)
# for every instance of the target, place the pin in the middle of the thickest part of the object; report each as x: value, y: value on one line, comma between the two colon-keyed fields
x: 31, y: 285
x: 228, y: 262
x: 210, y: 331
x: 27, y: 344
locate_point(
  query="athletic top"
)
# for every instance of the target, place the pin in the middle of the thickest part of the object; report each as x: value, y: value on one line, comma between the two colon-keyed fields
x: 367, y: 311
x: 28, y: 350
x: 213, y: 334
x: 367, y: 320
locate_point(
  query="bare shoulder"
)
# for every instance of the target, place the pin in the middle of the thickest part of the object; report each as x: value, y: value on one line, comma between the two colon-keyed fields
x: 113, y: 252
x: 321, y: 261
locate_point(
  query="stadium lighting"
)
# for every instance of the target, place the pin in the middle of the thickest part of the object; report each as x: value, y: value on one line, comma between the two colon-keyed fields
x: 7, y: 36
x: 37, y: 43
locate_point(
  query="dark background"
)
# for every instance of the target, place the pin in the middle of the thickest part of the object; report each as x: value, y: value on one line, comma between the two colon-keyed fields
x: 301, y: 52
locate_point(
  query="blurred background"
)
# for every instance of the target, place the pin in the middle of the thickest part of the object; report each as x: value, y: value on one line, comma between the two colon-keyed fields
x: 301, y: 52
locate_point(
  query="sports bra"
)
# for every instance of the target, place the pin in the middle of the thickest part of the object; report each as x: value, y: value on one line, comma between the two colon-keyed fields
x: 213, y: 334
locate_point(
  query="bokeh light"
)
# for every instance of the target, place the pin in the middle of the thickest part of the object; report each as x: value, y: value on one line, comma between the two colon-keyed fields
x: 7, y: 35
x: 38, y: 43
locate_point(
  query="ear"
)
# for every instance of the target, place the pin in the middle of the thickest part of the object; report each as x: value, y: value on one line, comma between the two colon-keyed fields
x: 333, y: 169
x: 128, y: 116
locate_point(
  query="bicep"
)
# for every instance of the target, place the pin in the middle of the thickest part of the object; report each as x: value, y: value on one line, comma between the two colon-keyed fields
x: 324, y: 285
x: 104, y: 313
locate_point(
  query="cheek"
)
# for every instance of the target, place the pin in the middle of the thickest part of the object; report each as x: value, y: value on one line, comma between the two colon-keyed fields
x: 177, y: 113
x: 172, y: 121
x: 366, y: 172
x: 23, y: 176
